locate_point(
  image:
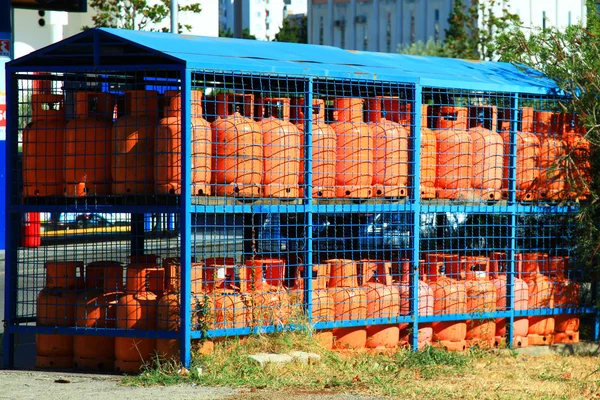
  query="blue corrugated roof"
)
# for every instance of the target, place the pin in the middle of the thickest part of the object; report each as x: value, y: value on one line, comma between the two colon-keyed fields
x: 224, y: 54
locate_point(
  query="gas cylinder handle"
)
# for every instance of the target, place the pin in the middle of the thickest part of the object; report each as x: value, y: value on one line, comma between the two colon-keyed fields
x: 383, y: 110
x: 497, y: 264
x: 405, y: 271
x: 316, y: 108
x: 449, y: 115
x: 382, y: 272
x: 481, y: 118
x: 279, y: 108
x: 47, y: 105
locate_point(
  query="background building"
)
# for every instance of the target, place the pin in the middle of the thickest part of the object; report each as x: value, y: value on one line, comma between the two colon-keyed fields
x: 382, y: 25
x: 262, y: 18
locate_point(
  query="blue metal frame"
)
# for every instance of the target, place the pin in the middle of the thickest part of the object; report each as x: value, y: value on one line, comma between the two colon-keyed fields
x: 308, y: 199
x: 415, y: 197
x: 10, y: 262
x: 186, y: 218
x: 512, y: 197
x: 250, y: 59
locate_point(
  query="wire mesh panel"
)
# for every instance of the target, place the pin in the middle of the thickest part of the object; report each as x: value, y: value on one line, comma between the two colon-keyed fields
x: 155, y: 206
x: 96, y: 242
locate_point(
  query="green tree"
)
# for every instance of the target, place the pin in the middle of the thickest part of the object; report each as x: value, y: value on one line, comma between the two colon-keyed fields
x: 570, y: 58
x: 473, y: 28
x: 431, y: 48
x: 245, y: 34
x: 293, y: 30
x: 136, y: 14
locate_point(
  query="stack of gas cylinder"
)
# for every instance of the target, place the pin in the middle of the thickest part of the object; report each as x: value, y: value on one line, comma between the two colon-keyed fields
x: 229, y: 295
x: 149, y: 301
x: 255, y: 147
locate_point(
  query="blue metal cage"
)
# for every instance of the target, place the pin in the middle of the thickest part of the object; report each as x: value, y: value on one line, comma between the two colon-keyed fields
x: 222, y: 233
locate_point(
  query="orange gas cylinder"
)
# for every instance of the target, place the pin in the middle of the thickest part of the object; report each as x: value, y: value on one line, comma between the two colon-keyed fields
x: 400, y: 112
x: 452, y: 265
x: 481, y: 298
x: 168, y: 309
x: 426, y: 301
x: 566, y: 295
x: 133, y: 144
x: 281, y: 151
x: 390, y: 152
x: 167, y: 147
x: 157, y: 281
x: 269, y: 302
x: 541, y: 295
x: 95, y: 309
x: 552, y: 150
x: 528, y: 151
x: 428, y: 156
x: 354, y: 167
x: 324, y: 142
x: 88, y: 146
x: 488, y: 158
x: 454, y: 154
x: 56, y: 307
x: 350, y: 303
x: 578, y: 148
x: 136, y: 310
x: 322, y: 301
x: 383, y: 301
x: 498, y: 271
x: 228, y: 307
x: 44, y: 147
x: 450, y: 297
x: 237, y: 162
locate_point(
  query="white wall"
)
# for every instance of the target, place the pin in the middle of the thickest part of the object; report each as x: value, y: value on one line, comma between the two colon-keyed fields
x: 30, y: 36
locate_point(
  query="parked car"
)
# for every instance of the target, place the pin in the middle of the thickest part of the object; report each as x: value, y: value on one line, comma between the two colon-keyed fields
x: 68, y: 221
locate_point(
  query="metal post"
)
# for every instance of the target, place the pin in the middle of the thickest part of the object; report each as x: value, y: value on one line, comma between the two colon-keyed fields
x: 137, y: 234
x: 353, y: 24
x: 237, y: 18
x: 596, y: 313
x: 10, y: 293
x: 174, y: 16
x: 308, y: 175
x: 309, y: 15
x: 185, y: 335
x: 512, y: 196
x: 376, y: 7
x: 330, y: 19
x: 416, y: 200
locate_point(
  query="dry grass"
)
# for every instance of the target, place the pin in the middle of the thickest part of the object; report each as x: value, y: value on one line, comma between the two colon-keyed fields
x: 429, y: 374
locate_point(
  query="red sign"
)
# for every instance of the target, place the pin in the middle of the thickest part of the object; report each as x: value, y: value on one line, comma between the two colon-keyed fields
x: 4, y: 47
x: 2, y: 115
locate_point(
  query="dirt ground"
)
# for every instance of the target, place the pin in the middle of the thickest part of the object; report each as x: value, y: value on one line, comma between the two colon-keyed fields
x: 39, y: 385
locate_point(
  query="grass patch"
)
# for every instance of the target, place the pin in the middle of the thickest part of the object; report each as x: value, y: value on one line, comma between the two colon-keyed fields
x: 361, y: 372
x: 432, y: 373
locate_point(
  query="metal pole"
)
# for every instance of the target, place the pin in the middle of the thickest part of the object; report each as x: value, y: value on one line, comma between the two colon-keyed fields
x: 185, y: 336
x: 237, y: 18
x: 308, y: 188
x: 174, y: 11
x: 416, y: 198
x: 512, y: 199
